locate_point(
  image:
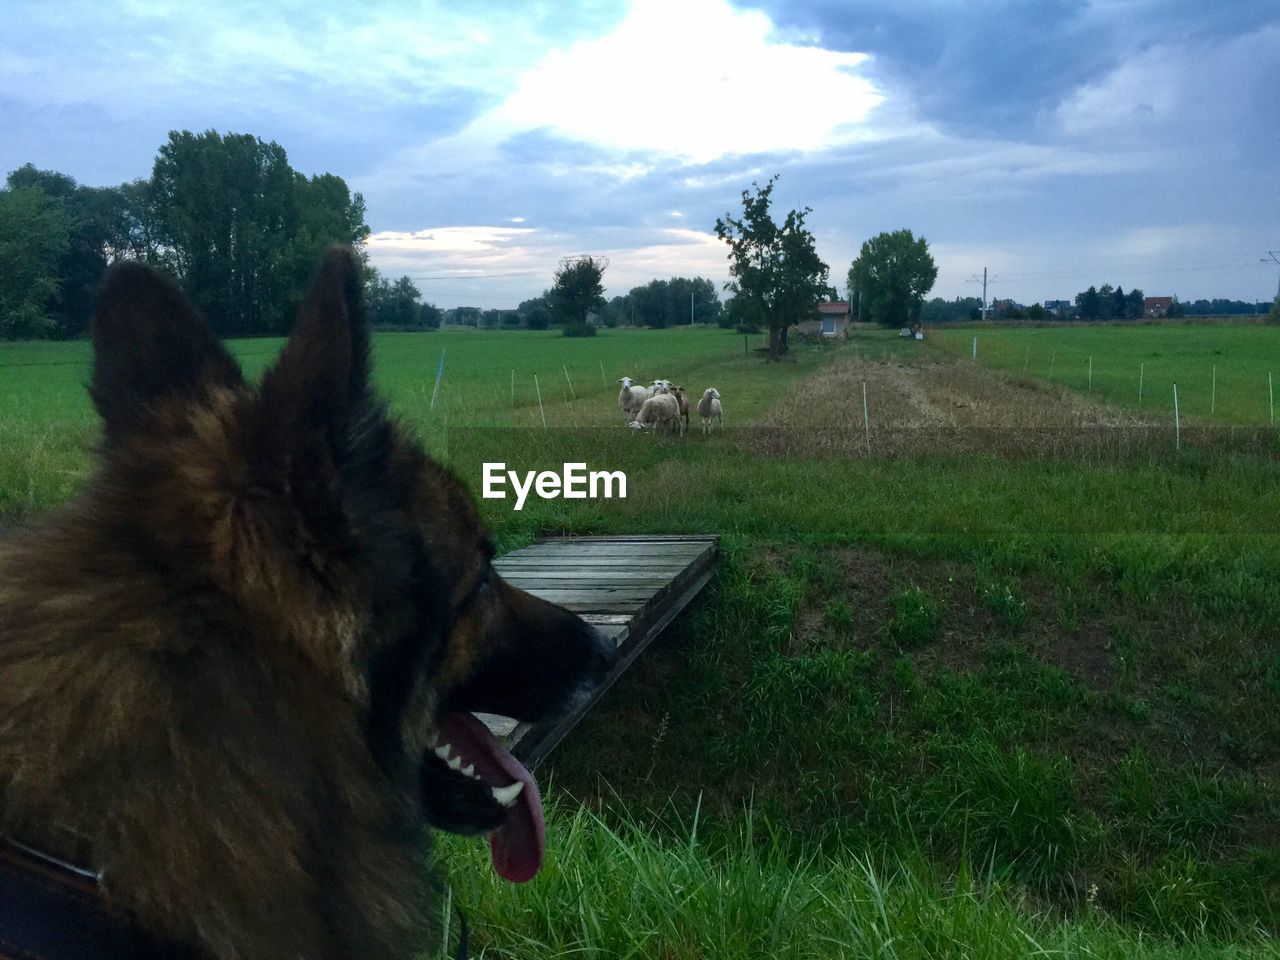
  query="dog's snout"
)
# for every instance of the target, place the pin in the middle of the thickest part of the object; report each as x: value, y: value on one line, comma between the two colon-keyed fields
x: 541, y: 661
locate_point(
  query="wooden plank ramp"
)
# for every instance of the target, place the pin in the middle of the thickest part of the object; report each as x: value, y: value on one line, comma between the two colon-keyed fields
x: 629, y: 587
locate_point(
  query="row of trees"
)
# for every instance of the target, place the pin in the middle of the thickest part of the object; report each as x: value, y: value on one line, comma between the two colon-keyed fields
x: 576, y: 297
x: 242, y: 230
x: 679, y: 301
x: 1220, y: 307
x: 227, y: 215
x: 397, y: 305
x: 959, y: 310
x: 55, y: 240
x: 1109, y: 303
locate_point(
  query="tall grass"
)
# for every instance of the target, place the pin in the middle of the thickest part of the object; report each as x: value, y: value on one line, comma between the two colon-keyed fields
x: 48, y: 426
x: 616, y: 888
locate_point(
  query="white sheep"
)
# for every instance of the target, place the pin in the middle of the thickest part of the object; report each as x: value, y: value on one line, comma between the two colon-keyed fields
x: 709, y: 409
x: 660, y: 386
x: 658, y: 411
x: 630, y: 398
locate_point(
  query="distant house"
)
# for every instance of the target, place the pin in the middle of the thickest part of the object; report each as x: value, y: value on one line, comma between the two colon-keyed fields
x: 1156, y: 306
x: 1062, y: 309
x: 832, y: 320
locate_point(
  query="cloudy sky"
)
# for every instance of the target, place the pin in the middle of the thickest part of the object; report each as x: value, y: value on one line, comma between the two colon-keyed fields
x: 1057, y: 143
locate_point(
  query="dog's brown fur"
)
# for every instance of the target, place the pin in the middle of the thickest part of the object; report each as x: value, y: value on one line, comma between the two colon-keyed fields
x: 220, y: 666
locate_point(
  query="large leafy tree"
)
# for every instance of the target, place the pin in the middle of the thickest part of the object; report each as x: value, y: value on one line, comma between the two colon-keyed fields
x: 94, y: 216
x: 535, y: 313
x: 893, y: 273
x: 693, y: 300
x: 225, y: 209
x: 227, y: 214
x: 1089, y: 304
x: 650, y: 305
x: 578, y: 289
x: 1106, y: 301
x: 242, y: 228
x: 35, y: 234
x: 778, y: 277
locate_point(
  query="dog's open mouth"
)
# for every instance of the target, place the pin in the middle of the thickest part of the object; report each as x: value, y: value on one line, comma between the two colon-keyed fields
x: 479, y: 785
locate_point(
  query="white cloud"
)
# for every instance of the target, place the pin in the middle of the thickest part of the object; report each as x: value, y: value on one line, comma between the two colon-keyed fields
x: 1140, y: 95
x: 472, y: 245
x: 1172, y: 90
x: 1164, y: 241
x: 499, y: 266
x: 674, y: 253
x: 690, y: 78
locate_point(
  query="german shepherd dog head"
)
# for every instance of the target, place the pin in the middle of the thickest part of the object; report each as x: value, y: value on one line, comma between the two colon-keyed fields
x: 238, y: 672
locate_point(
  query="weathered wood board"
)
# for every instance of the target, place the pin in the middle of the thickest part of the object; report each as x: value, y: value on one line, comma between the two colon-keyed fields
x: 630, y: 588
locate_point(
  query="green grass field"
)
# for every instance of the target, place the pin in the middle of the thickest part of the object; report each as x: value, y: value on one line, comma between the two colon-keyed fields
x: 972, y: 702
x: 47, y: 422
x: 1158, y: 355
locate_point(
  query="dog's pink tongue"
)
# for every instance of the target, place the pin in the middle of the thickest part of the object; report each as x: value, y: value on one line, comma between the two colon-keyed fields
x: 516, y: 847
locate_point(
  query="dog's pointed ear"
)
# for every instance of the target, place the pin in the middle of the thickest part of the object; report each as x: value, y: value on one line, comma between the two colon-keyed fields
x: 324, y: 368
x: 149, y: 345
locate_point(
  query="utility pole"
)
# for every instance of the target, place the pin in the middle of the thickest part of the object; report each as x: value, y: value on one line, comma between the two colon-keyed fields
x: 984, y: 282
x: 1271, y: 258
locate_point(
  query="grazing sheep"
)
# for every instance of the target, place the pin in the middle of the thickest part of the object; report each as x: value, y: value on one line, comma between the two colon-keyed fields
x: 682, y: 399
x: 630, y: 398
x: 658, y: 411
x: 709, y: 409
x: 660, y: 386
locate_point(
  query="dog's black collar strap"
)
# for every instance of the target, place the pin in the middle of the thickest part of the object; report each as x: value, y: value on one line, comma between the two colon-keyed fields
x: 42, y: 917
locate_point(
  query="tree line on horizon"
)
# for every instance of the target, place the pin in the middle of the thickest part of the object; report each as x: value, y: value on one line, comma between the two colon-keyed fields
x: 658, y: 304
x: 968, y: 309
x: 241, y: 230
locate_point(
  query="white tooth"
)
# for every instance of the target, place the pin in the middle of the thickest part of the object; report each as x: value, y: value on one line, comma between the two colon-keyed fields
x: 455, y: 763
x: 507, y: 795
x: 470, y: 770
x: 442, y: 751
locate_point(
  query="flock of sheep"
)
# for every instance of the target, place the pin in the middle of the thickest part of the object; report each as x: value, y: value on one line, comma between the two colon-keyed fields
x: 663, y: 405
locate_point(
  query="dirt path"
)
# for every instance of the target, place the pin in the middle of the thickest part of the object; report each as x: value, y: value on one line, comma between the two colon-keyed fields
x: 934, y: 406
